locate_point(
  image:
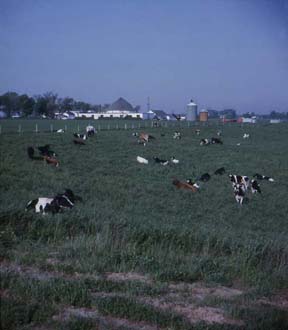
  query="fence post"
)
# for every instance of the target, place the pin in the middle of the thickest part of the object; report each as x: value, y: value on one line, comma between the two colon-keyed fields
x: 65, y: 128
x: 99, y: 127
x: 117, y: 126
x: 0, y: 129
x: 36, y: 128
x: 125, y: 126
x: 78, y: 129
x: 51, y: 128
x: 108, y: 126
x: 19, y: 129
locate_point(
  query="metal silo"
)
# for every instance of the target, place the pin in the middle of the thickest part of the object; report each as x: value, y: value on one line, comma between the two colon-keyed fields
x: 191, y: 111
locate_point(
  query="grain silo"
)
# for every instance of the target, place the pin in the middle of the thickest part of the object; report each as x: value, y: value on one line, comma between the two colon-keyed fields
x: 191, y: 111
x: 203, y: 115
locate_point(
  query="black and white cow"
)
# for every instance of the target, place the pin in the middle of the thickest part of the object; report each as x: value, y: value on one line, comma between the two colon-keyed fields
x: 161, y: 161
x: 90, y: 130
x: 216, y: 141
x: 54, y: 205
x: 255, y: 187
x: 204, y: 142
x: 80, y: 136
x: 240, y: 179
x: 43, y: 205
x: 177, y: 135
x: 263, y: 177
x: 239, y: 192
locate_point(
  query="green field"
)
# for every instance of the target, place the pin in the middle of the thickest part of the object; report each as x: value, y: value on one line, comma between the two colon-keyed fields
x: 137, y: 252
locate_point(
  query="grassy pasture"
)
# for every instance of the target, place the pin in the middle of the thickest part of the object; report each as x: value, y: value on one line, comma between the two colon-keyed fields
x: 132, y: 219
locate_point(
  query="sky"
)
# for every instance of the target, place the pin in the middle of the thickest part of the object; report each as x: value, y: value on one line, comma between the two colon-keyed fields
x: 220, y: 53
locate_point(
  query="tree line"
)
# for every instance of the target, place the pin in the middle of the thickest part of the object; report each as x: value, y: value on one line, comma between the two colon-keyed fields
x: 44, y: 105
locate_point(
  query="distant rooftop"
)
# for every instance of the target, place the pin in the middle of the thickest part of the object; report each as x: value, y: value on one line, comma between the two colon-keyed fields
x: 122, y: 105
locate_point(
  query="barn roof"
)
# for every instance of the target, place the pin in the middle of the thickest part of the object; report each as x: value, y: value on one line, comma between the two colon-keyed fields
x: 121, y: 104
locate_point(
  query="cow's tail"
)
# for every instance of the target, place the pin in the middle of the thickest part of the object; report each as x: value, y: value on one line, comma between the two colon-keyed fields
x: 31, y: 204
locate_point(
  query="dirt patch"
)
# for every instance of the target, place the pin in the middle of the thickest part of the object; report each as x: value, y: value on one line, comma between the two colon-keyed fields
x: 119, y: 277
x: 193, y: 313
x: 199, y: 291
x: 103, y: 321
x: 278, y: 300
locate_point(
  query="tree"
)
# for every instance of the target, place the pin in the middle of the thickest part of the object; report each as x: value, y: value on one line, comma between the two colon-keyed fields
x: 10, y: 102
x: 26, y: 104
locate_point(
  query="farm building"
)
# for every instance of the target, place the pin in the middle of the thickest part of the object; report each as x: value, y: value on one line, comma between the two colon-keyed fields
x: 275, y: 121
x: 156, y: 114
x: 251, y: 120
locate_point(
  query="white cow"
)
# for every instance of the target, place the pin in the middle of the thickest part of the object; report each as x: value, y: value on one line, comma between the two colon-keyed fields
x: 141, y: 160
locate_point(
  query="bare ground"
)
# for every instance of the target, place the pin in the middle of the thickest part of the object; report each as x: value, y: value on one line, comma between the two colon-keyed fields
x: 181, y: 298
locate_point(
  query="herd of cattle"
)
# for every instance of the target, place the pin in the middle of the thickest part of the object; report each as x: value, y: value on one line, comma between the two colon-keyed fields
x: 240, y: 184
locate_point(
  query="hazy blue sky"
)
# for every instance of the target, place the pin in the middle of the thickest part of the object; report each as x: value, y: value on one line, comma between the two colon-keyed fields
x: 221, y: 53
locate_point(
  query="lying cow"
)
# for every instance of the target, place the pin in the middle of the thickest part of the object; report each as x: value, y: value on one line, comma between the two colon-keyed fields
x: 80, y: 136
x: 263, y: 177
x: 177, y: 135
x: 216, y: 141
x: 204, y: 142
x: 53, y: 205
x: 185, y: 185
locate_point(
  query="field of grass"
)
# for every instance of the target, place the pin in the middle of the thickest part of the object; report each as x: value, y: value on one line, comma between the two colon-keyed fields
x: 137, y: 253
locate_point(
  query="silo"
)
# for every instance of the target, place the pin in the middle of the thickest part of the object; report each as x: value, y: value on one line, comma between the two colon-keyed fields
x: 203, y: 116
x: 191, y: 111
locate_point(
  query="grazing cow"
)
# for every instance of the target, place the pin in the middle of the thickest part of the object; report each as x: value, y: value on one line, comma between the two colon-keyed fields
x: 79, y: 141
x: 174, y: 160
x: 205, y: 177
x: 246, y: 136
x: 216, y: 141
x: 220, y: 171
x: 177, y: 135
x: 90, y: 130
x: 144, y: 138
x: 204, y: 142
x: 263, y: 177
x: 219, y: 133
x: 239, y: 179
x: 161, y: 161
x: 46, y: 151
x: 135, y: 134
x: 80, y: 136
x: 239, y: 192
x: 255, y: 187
x: 141, y: 160
x: 184, y: 185
x: 197, y: 131
x: 51, y: 160
x: 61, y: 130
